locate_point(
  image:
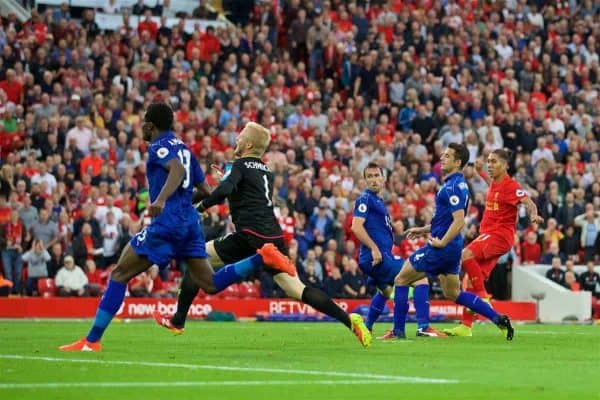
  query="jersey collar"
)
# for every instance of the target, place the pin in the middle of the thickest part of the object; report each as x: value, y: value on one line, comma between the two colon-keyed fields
x: 453, y: 175
x: 372, y: 193
x: 506, y: 177
x: 162, y: 136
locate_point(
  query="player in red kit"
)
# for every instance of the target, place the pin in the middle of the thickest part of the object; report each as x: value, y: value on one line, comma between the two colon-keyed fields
x: 496, y: 232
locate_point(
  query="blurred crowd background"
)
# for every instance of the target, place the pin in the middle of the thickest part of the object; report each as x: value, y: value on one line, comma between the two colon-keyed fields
x: 339, y: 84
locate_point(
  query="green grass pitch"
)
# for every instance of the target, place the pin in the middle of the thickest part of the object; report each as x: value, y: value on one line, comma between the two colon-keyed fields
x: 296, y: 361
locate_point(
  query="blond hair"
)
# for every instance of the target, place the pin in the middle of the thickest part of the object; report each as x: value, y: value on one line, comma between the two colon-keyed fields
x: 7, y: 173
x: 259, y: 136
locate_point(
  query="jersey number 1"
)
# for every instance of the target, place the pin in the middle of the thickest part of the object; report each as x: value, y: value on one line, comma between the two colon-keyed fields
x: 186, y: 159
x: 267, y: 194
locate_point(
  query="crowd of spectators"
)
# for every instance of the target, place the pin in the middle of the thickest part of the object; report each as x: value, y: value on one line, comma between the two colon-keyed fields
x: 339, y: 84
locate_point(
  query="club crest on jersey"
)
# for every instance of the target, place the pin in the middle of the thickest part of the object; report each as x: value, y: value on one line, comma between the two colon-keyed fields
x: 454, y: 200
x: 463, y: 185
x: 362, y: 208
x: 162, y: 152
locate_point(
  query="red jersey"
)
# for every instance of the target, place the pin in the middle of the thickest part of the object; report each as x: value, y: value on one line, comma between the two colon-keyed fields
x: 501, y: 206
x: 287, y: 226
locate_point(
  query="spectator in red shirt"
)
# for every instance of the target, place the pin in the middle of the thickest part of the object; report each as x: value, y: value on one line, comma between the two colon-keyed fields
x: 287, y: 223
x: 4, y: 210
x: 96, y: 279
x: 12, y: 87
x: 93, y: 161
x: 86, y: 246
x: 40, y: 29
x: 532, y: 251
x: 13, y: 236
x: 193, y: 44
x: 148, y: 25
x: 140, y: 286
x: 209, y: 44
x: 157, y: 286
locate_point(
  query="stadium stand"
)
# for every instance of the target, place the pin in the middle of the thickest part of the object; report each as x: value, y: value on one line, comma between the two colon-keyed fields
x: 339, y: 84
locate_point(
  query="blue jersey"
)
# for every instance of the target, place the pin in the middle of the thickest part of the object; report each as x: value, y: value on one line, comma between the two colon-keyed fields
x: 452, y: 196
x: 178, y: 207
x: 176, y: 232
x: 378, y: 224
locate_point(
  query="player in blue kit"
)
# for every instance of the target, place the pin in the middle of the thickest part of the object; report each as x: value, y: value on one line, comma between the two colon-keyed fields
x: 373, y: 226
x: 173, y: 175
x: 442, y: 254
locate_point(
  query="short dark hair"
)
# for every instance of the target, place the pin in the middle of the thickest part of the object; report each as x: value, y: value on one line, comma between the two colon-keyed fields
x: 505, y: 154
x: 372, y: 165
x: 161, y: 115
x: 460, y: 153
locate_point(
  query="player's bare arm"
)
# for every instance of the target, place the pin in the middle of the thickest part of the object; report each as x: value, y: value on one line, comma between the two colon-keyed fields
x: 398, y: 227
x: 458, y: 222
x: 174, y: 179
x: 358, y: 227
x: 532, y: 210
x: 417, y: 232
x: 202, y: 191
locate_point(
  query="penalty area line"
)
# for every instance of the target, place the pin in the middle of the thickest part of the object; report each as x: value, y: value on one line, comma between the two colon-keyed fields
x: 357, y: 375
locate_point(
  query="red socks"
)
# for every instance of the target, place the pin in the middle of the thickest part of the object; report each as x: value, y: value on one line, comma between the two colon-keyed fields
x: 472, y: 268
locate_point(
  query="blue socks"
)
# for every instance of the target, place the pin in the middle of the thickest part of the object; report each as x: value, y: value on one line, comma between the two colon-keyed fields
x: 115, y: 292
x: 421, y: 300
x: 232, y: 273
x: 109, y: 305
x: 400, y: 309
x: 375, y: 309
x: 475, y: 303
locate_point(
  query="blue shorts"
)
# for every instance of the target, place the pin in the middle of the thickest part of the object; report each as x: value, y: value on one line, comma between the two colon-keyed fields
x: 160, y: 243
x: 433, y: 261
x: 382, y: 275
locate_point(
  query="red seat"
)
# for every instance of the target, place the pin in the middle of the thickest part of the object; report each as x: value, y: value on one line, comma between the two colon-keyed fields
x: 230, y: 292
x: 249, y: 290
x: 254, y: 290
x: 46, y: 287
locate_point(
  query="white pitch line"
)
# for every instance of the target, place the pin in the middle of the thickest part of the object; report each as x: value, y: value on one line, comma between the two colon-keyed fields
x: 557, y: 333
x: 66, y: 385
x: 395, y: 378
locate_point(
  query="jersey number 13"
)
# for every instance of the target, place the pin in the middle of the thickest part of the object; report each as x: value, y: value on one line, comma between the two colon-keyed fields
x: 186, y: 159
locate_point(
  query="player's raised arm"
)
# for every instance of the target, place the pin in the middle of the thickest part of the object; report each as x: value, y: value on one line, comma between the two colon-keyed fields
x: 224, y: 189
x: 174, y: 179
x: 358, y: 228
